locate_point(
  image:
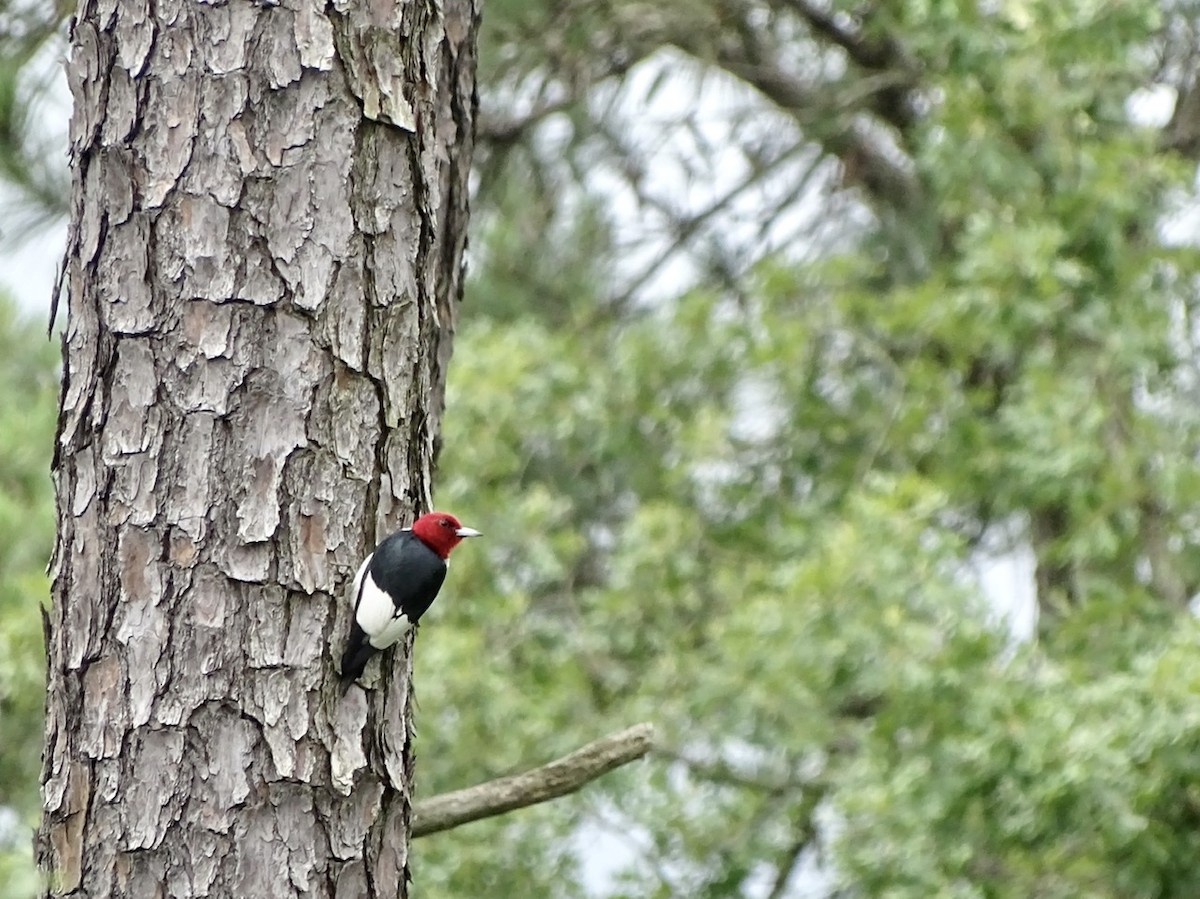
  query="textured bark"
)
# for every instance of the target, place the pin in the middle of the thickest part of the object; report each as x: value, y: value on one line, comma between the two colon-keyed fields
x: 268, y: 223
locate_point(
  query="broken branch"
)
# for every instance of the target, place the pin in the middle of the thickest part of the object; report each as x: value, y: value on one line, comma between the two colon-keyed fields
x: 558, y: 778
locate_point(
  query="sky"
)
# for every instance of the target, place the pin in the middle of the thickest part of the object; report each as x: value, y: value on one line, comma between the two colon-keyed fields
x: 29, y: 270
x: 28, y: 267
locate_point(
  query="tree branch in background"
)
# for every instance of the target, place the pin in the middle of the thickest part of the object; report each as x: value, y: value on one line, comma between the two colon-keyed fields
x: 558, y: 778
x: 892, y: 102
x: 827, y: 118
x: 804, y: 821
x: 1182, y: 133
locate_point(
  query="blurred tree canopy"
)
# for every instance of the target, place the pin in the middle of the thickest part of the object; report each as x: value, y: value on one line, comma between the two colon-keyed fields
x: 32, y: 162
x: 787, y: 317
x: 787, y: 313
x: 28, y: 383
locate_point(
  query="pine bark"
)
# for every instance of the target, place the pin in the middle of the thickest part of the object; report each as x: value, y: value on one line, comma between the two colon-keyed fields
x: 268, y: 221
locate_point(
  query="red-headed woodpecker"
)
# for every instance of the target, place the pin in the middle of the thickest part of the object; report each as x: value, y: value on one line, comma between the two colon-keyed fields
x: 396, y: 584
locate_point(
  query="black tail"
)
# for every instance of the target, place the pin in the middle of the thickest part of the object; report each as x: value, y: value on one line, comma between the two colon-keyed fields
x: 354, y: 659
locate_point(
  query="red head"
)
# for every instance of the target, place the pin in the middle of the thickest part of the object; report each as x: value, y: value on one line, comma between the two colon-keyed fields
x: 441, y: 532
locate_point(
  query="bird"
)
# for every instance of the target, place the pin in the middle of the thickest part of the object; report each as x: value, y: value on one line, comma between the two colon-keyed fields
x: 396, y: 584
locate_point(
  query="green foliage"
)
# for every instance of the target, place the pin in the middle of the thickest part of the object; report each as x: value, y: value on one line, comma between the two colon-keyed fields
x: 747, y: 516
x: 627, y: 575
x: 1041, y: 788
x: 28, y: 379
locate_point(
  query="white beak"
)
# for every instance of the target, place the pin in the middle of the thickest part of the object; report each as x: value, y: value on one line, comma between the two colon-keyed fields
x: 468, y: 532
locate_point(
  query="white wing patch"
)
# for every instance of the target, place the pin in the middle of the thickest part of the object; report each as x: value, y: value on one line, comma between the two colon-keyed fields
x: 392, y: 631
x: 380, y: 620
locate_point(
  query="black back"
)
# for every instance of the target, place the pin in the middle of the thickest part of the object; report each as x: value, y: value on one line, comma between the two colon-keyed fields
x: 410, y: 572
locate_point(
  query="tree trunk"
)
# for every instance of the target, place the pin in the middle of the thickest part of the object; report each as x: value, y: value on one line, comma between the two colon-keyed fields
x: 268, y: 222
